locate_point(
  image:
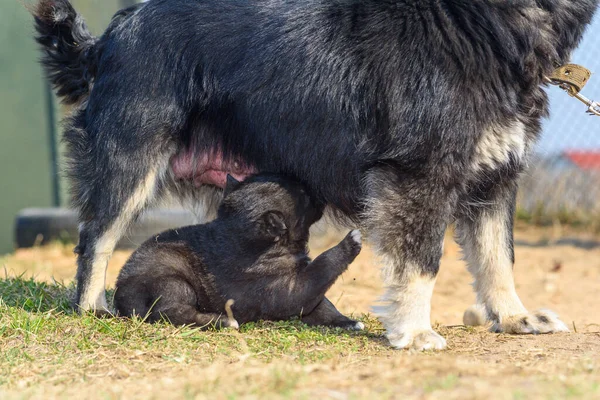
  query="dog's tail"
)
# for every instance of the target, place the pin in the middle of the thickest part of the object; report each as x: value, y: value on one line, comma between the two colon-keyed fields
x: 68, y: 49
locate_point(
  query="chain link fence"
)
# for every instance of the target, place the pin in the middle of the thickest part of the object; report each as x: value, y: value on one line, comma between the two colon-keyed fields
x: 563, y: 181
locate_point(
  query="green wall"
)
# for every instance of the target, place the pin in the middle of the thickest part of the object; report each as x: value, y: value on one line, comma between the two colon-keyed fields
x: 25, y: 165
x: 25, y: 176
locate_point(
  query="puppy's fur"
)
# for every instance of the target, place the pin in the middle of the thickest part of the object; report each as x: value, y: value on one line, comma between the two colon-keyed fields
x: 254, y: 253
x: 401, y: 115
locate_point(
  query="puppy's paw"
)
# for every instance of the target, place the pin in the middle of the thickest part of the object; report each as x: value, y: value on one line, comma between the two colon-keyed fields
x: 353, y: 326
x: 358, y: 326
x: 475, y: 316
x: 232, y: 324
x: 226, y: 323
x: 419, y: 340
x: 354, y: 243
x: 356, y: 236
x: 534, y: 323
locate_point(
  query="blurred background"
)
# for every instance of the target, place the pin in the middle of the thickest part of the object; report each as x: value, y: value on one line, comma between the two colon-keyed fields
x: 562, y: 185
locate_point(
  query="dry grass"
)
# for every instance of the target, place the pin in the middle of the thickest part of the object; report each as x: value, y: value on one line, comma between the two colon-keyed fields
x: 47, y: 352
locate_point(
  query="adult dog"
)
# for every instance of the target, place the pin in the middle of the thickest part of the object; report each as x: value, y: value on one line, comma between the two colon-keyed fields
x: 401, y: 115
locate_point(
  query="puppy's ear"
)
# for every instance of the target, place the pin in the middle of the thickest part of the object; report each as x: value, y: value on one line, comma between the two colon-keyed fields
x: 275, y: 227
x: 231, y: 185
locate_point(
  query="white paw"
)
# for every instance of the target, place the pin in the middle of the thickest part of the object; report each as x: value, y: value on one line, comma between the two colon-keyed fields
x: 351, y: 326
x: 417, y: 340
x: 233, y: 324
x: 358, y: 326
x: 475, y: 315
x: 94, y: 303
x: 98, y: 310
x: 356, y: 236
x: 534, y: 323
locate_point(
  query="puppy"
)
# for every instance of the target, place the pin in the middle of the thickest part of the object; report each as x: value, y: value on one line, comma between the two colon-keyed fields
x: 254, y: 253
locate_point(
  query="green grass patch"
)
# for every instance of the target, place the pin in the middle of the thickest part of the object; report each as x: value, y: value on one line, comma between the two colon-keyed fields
x: 30, y: 295
x: 39, y: 327
x: 540, y: 216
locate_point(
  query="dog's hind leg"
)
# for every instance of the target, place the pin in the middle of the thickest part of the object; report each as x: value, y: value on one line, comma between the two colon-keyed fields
x: 177, y: 305
x: 113, y: 182
x: 406, y: 221
x: 185, y: 314
x: 327, y: 315
x: 116, y: 209
x: 485, y: 232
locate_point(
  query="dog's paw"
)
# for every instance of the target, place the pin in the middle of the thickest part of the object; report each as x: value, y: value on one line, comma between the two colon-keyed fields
x: 93, y: 304
x: 353, y: 326
x: 534, y: 323
x: 347, y: 324
x: 104, y: 313
x: 232, y: 324
x: 100, y: 312
x: 358, y: 326
x: 475, y: 316
x: 226, y: 323
x: 354, y: 243
x: 417, y: 340
x: 356, y: 236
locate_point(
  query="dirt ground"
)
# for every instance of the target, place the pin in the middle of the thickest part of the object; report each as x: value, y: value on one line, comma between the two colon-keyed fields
x: 562, y: 275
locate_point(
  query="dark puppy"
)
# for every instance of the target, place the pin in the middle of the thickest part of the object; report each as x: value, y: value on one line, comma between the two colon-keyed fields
x: 254, y: 253
x: 402, y: 115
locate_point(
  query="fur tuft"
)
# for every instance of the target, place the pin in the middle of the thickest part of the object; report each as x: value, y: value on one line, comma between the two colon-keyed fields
x: 79, y: 155
x: 67, y: 48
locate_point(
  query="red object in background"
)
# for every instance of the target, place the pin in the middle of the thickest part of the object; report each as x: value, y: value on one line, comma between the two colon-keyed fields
x: 584, y: 159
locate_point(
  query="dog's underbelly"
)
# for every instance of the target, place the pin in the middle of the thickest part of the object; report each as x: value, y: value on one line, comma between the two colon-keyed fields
x: 209, y: 168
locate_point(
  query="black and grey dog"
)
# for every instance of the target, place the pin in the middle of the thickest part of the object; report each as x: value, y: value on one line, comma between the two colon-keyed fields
x: 402, y: 116
x: 255, y: 253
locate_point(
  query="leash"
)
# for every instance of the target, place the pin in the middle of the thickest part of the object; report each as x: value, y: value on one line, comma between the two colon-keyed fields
x: 572, y: 78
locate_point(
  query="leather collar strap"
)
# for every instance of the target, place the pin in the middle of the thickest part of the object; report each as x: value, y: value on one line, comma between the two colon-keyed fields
x: 573, y: 75
x: 572, y: 78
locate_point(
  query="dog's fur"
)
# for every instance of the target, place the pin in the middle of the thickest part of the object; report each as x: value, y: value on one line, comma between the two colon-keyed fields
x: 402, y: 116
x: 255, y: 253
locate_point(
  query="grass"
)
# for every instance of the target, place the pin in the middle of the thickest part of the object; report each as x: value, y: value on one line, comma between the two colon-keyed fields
x: 40, y: 313
x: 48, y: 351
x: 37, y: 324
x: 576, y: 219
x: 30, y: 295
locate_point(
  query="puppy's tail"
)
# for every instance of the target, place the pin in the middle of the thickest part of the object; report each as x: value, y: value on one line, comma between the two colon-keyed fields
x: 68, y: 49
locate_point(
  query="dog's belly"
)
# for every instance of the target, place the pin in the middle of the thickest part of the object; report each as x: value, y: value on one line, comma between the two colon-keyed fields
x: 209, y: 168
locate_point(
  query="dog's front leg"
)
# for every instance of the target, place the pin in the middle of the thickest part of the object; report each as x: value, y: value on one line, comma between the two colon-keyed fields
x: 308, y: 283
x: 319, y: 275
x: 406, y: 221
